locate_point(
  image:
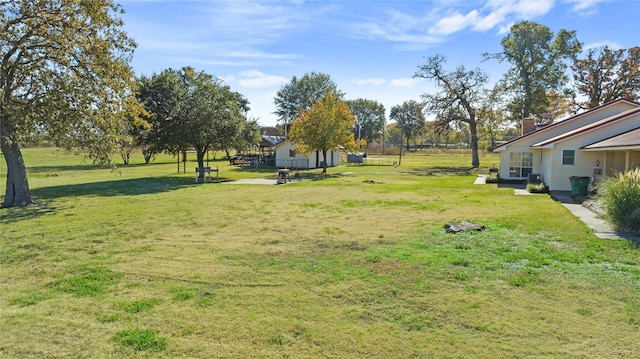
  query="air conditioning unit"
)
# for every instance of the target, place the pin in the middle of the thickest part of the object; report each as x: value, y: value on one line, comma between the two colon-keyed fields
x: 534, y: 178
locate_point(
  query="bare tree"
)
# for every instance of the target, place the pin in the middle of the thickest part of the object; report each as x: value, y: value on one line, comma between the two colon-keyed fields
x: 461, y: 95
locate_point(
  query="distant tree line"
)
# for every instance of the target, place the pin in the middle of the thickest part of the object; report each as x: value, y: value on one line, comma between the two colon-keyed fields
x: 65, y: 75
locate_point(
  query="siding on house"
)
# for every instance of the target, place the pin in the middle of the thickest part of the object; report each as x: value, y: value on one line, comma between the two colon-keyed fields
x: 573, y: 134
x: 585, y: 161
x: 572, y: 123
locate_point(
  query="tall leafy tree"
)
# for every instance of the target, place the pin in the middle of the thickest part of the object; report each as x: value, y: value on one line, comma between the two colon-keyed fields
x: 192, y: 109
x: 558, y: 106
x: 605, y: 75
x: 134, y: 128
x: 409, y: 117
x: 325, y: 126
x: 64, y: 70
x: 491, y: 124
x: 460, y: 97
x: 301, y: 93
x: 370, y: 119
x: 539, y: 61
x: 394, y: 135
x: 248, y: 137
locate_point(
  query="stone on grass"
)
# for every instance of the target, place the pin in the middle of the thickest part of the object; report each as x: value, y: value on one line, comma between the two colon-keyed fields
x: 463, y: 226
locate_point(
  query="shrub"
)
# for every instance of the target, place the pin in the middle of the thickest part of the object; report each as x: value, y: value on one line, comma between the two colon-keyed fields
x: 537, y: 188
x: 492, y: 177
x: 621, y: 198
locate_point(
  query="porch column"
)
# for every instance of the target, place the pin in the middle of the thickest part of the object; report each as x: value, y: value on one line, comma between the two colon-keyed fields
x: 626, y: 160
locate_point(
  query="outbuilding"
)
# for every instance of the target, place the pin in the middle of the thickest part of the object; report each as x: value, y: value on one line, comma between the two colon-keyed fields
x: 287, y: 156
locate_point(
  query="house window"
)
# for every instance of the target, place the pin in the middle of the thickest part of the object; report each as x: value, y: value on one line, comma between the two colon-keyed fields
x: 568, y: 157
x: 292, y: 153
x: 520, y: 164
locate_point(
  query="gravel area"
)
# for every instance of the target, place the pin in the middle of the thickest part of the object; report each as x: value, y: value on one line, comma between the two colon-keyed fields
x: 594, y: 205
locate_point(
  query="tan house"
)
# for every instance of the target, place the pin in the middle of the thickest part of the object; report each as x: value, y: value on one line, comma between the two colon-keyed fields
x: 601, y: 141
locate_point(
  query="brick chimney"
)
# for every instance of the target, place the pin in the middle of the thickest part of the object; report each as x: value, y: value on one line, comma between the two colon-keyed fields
x: 528, y: 125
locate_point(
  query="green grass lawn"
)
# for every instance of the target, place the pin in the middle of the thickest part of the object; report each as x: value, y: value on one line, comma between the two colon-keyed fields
x: 142, y: 262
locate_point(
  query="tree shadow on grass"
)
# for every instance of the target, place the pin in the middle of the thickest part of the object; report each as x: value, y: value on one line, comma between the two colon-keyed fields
x: 89, y: 166
x: 128, y: 187
x: 45, y: 196
x: 16, y: 214
x: 319, y: 176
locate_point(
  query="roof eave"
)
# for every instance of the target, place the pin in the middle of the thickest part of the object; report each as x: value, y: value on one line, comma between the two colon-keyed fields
x: 612, y: 148
x: 542, y: 145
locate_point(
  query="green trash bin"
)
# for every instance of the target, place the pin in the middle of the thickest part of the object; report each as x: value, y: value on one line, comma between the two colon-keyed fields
x: 579, y: 186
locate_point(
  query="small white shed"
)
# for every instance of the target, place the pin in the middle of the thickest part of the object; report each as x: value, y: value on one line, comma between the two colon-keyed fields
x: 288, y: 157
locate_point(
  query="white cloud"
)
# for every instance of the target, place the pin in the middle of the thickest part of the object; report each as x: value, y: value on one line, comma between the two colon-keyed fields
x: 526, y: 9
x: 259, y: 23
x: 594, y: 45
x: 253, y: 22
x: 585, y: 7
x: 421, y: 30
x: 405, y: 82
x: 259, y: 55
x: 488, y: 22
x: 370, y: 81
x: 255, y: 79
x: 495, y: 13
x: 227, y: 79
x: 214, y: 62
x: 455, y: 23
x: 398, y: 27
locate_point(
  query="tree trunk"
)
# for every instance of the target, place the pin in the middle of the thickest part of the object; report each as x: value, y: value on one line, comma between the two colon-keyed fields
x: 17, y: 192
x: 400, y: 159
x: 147, y: 155
x: 324, y: 164
x: 200, y: 151
x: 475, y: 157
x: 200, y: 155
x: 528, y: 94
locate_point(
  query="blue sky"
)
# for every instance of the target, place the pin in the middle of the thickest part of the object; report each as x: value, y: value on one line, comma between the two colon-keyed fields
x: 371, y: 49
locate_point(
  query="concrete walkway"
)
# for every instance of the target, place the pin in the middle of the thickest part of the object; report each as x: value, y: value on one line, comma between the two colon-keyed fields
x: 481, y: 179
x: 264, y: 181
x: 600, y: 227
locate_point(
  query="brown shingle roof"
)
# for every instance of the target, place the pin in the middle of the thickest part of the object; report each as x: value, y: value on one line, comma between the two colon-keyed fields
x: 559, y: 123
x: 597, y: 124
x: 627, y: 139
